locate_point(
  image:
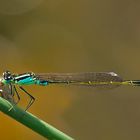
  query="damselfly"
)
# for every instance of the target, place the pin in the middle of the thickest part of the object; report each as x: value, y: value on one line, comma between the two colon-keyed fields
x: 91, y: 79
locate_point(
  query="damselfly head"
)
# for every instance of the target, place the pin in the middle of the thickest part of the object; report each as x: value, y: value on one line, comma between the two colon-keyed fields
x: 7, y: 75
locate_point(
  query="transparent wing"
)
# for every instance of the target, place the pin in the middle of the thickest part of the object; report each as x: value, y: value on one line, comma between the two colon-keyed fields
x: 93, y: 79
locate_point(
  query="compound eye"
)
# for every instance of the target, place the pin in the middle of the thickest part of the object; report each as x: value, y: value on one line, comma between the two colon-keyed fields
x: 7, y: 75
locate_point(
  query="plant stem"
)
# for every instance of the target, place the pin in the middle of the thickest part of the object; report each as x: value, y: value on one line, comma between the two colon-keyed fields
x: 32, y: 121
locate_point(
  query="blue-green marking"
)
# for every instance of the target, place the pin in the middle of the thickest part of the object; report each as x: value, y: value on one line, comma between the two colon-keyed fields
x: 25, y: 79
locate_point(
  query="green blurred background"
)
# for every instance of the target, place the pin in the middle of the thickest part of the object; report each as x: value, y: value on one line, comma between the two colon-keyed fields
x: 74, y: 36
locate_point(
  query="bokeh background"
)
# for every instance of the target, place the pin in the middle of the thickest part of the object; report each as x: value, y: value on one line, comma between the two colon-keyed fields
x: 74, y: 36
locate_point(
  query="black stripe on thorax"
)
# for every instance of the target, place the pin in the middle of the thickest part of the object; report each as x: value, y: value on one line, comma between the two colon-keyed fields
x: 21, y: 77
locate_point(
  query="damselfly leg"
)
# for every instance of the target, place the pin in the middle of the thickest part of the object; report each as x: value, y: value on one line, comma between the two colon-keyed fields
x: 32, y: 99
x: 18, y: 97
x: 13, y: 91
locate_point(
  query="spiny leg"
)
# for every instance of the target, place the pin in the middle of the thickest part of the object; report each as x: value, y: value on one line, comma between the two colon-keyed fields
x: 11, y: 90
x: 32, y: 99
x: 18, y: 97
